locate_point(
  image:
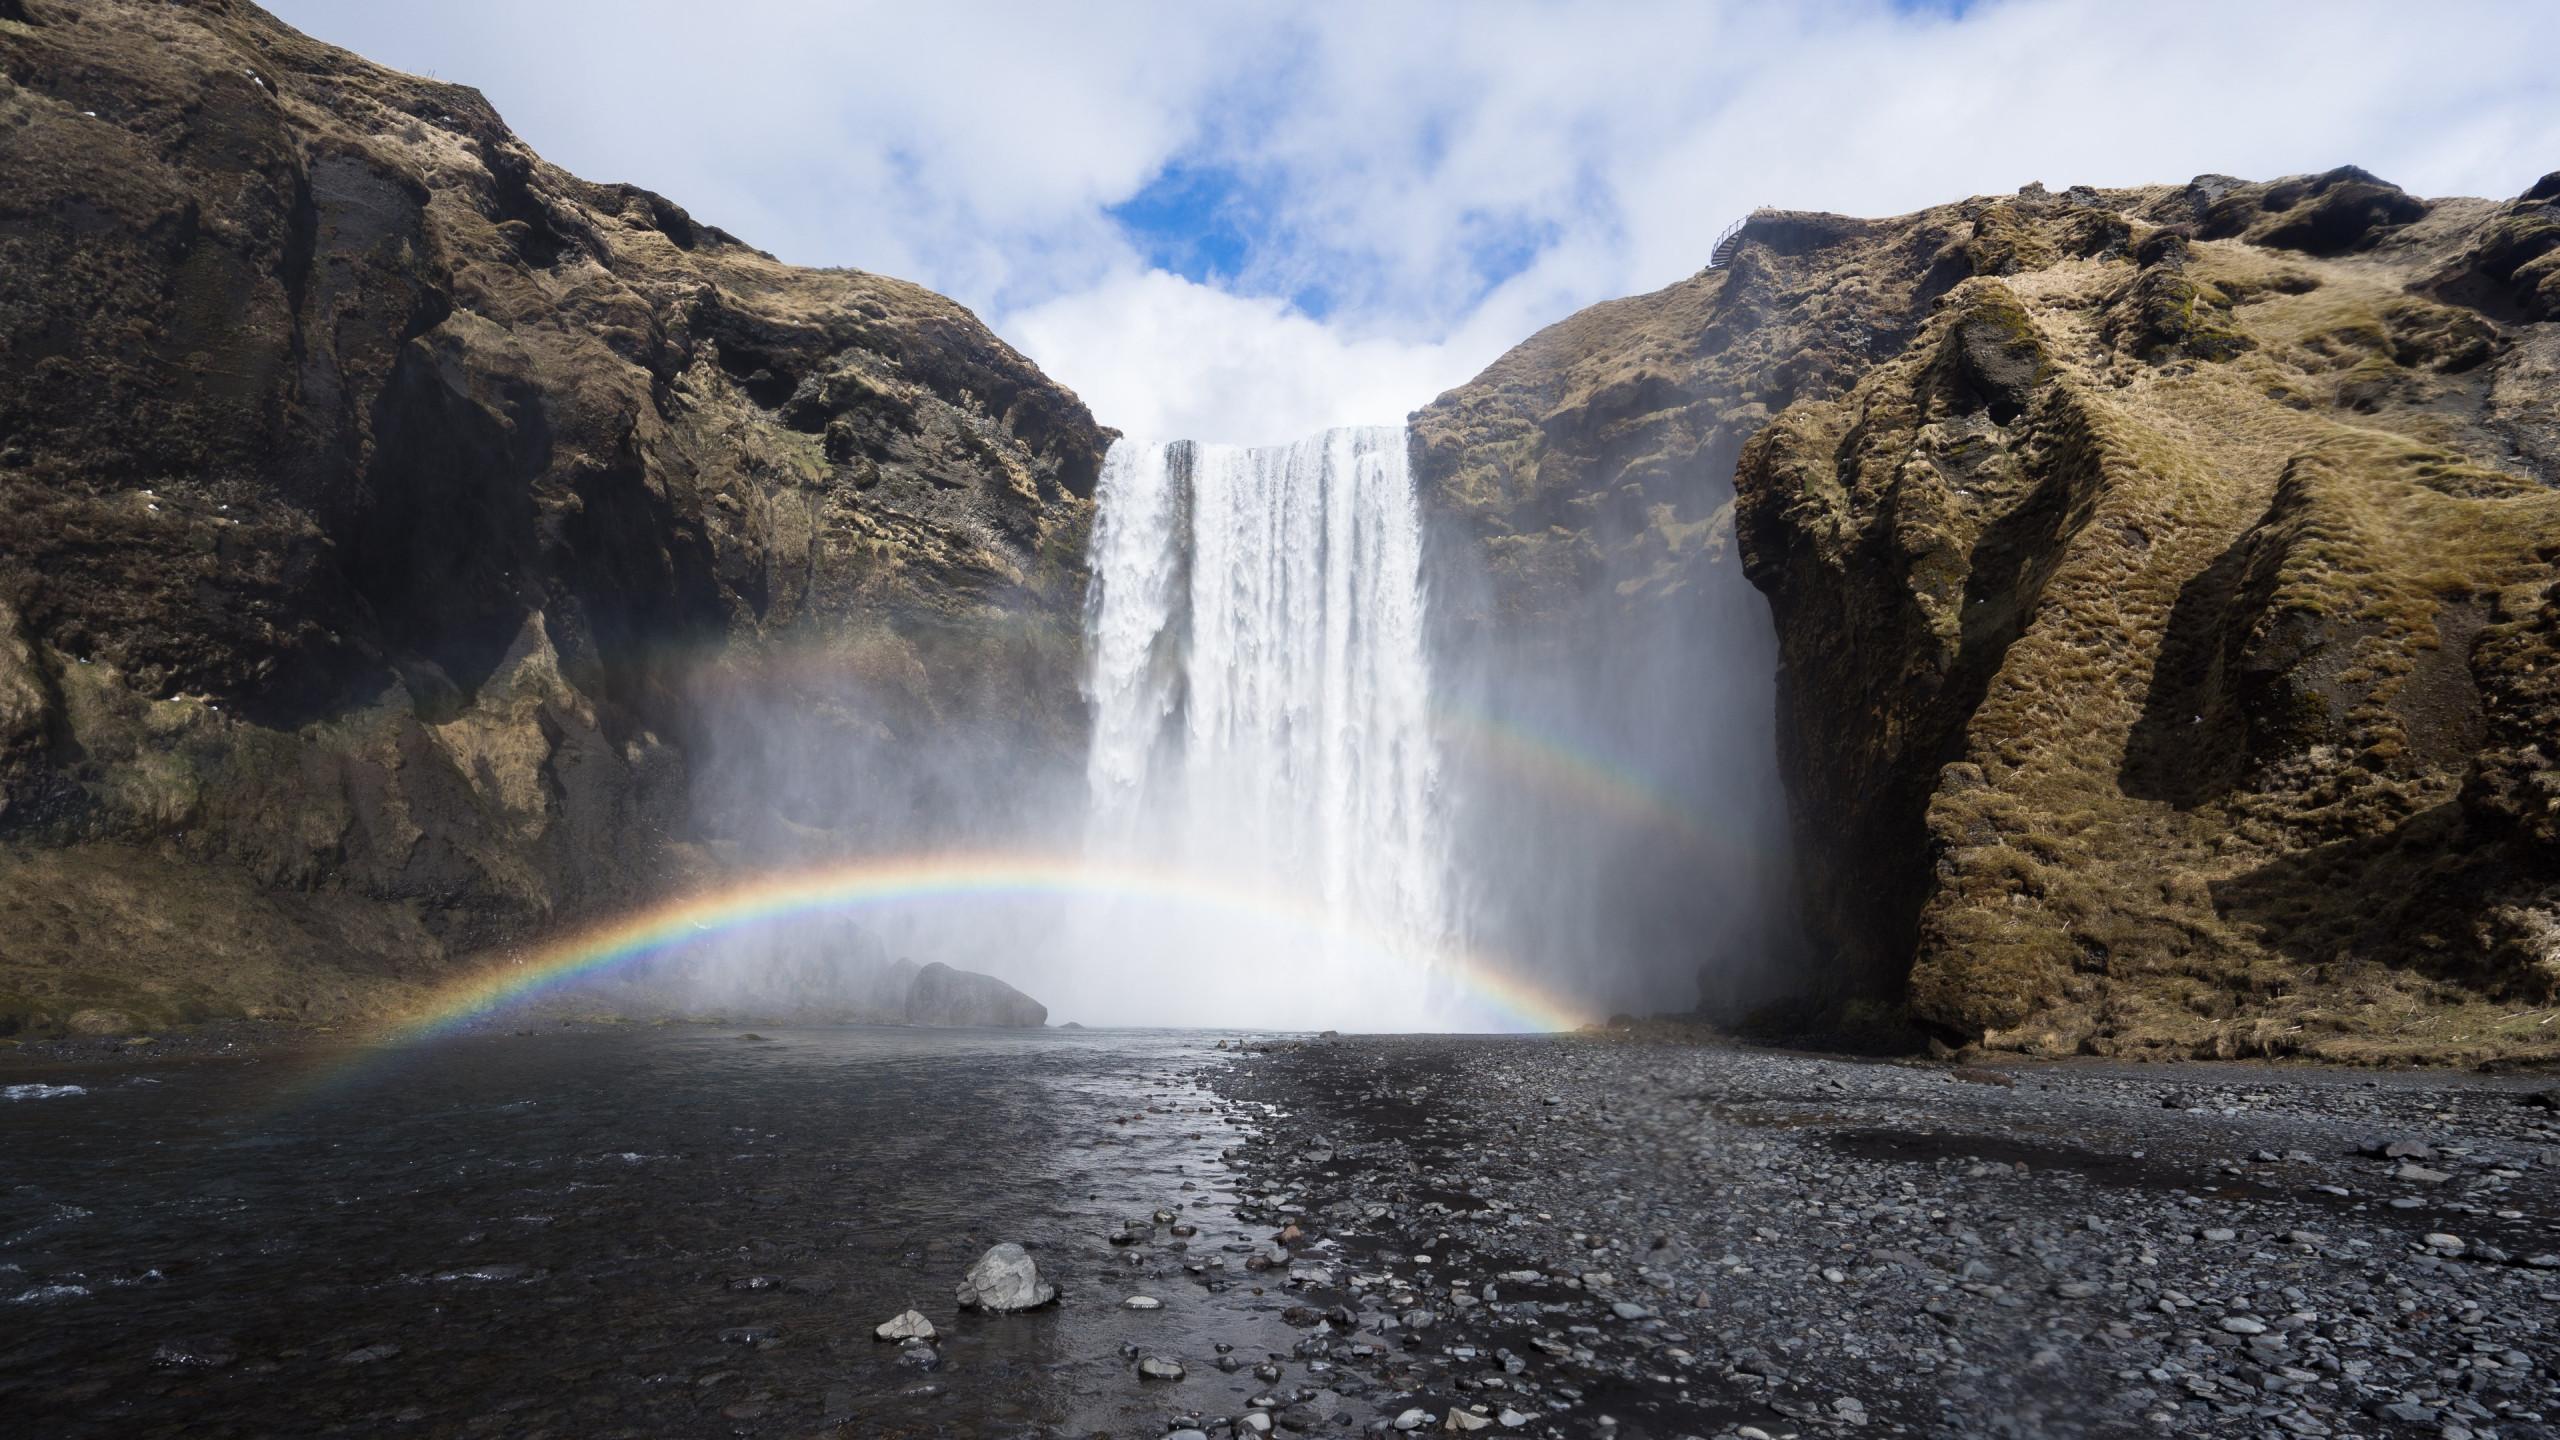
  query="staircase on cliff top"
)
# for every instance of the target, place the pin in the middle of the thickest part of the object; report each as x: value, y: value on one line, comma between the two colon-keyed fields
x: 1730, y: 241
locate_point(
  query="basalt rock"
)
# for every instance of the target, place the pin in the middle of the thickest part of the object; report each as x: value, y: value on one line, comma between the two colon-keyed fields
x: 2162, y: 584
x: 940, y: 995
x: 383, y: 510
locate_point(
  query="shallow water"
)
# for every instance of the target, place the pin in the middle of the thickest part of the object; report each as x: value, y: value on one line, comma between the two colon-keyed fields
x: 641, y: 1232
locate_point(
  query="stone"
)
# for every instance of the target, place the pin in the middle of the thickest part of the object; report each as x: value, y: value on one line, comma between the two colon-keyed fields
x: 1156, y: 1368
x: 942, y: 996
x: 1142, y: 1302
x: 1413, y: 1419
x: 1004, y: 1280
x: 906, y: 1325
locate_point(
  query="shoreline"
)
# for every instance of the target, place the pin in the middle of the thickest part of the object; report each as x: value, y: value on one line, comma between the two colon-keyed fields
x: 1646, y: 1239
x: 245, y: 1037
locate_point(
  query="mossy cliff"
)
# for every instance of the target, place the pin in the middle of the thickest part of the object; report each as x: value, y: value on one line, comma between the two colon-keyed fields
x: 381, y: 507
x: 2166, y: 582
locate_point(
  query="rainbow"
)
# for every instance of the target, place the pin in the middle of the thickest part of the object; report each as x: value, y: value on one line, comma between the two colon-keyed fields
x: 1507, y: 1001
x: 1588, y: 780
x: 1577, y: 775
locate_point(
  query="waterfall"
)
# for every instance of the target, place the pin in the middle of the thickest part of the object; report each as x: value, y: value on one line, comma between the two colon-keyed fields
x: 1261, y: 699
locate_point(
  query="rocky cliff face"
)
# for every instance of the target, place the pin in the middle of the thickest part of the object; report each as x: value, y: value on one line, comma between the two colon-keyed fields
x: 383, y: 509
x: 2164, y: 583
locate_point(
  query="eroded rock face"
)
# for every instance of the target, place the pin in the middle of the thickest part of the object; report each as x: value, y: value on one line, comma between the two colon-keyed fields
x: 379, y: 505
x: 2162, y: 586
x: 940, y: 995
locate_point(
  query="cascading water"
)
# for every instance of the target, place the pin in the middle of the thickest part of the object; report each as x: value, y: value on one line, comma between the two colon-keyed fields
x: 1261, y: 715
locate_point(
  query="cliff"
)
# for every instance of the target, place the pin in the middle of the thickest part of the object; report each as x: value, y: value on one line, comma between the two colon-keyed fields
x: 385, y: 514
x: 2166, y: 583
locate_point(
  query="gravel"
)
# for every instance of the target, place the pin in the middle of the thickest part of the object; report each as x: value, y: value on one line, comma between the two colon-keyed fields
x: 1597, y: 1236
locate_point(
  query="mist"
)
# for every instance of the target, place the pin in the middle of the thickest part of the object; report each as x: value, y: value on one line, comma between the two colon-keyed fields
x: 1619, y: 825
x: 1280, y: 771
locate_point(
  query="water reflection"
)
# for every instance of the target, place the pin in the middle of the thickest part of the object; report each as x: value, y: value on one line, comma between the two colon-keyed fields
x: 629, y: 1232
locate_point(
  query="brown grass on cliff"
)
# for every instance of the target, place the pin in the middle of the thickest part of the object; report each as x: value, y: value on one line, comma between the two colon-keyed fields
x: 2160, y: 577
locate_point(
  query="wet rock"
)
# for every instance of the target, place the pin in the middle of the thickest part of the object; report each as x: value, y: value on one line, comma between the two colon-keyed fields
x: 906, y: 1325
x: 1157, y: 1368
x: 1142, y: 1302
x: 1005, y: 1279
x: 919, y: 1355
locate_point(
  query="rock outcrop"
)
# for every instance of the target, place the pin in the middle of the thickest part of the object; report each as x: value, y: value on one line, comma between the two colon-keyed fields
x: 940, y: 995
x: 383, y: 509
x: 2164, y: 587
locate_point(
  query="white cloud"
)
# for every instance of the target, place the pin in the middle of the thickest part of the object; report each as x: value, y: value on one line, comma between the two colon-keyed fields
x: 1451, y: 176
x: 1164, y: 358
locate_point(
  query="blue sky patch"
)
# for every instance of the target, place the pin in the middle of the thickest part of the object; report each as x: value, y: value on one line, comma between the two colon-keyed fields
x: 1198, y: 222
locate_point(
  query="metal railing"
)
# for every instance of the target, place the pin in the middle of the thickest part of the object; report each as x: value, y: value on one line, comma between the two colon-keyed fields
x: 1727, y: 243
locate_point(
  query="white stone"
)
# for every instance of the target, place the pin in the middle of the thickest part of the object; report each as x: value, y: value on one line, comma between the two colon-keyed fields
x: 910, y: 1325
x: 1005, y: 1279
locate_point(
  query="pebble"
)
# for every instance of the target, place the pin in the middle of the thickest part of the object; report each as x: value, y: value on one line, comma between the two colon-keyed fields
x: 2051, y: 1256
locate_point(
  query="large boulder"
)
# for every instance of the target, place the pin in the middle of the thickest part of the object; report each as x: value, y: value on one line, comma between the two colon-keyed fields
x: 1006, y: 1278
x: 940, y: 995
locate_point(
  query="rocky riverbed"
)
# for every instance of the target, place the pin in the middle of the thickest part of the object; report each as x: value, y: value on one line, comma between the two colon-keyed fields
x: 1590, y: 1237
x: 1030, y: 1235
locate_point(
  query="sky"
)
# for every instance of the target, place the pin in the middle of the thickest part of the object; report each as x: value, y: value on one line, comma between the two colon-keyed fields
x: 1247, y: 222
